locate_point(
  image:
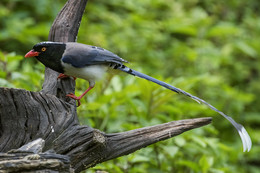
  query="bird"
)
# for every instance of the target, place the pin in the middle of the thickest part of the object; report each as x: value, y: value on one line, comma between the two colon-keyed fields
x: 91, y: 63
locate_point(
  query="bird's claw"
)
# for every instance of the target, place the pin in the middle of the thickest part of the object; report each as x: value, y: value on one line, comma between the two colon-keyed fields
x: 62, y: 76
x: 71, y: 95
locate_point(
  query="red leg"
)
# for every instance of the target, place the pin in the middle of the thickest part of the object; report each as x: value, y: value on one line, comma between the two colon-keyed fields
x: 71, y: 95
x: 61, y: 76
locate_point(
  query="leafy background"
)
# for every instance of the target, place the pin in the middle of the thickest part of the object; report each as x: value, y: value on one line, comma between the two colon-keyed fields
x: 208, y: 48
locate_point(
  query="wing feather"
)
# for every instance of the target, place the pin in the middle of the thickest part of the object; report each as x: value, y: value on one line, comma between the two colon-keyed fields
x: 81, y: 55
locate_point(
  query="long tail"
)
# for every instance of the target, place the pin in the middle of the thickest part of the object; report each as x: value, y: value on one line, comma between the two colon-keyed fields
x: 241, y: 130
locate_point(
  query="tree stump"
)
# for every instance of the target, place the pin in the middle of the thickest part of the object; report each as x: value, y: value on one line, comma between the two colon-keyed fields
x: 39, y: 131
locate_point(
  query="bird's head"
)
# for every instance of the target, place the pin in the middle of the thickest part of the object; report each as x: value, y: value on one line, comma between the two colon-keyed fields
x: 43, y: 49
x: 48, y: 53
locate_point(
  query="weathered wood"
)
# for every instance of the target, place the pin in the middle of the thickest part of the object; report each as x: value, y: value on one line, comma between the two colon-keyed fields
x: 31, y: 115
x: 29, y: 158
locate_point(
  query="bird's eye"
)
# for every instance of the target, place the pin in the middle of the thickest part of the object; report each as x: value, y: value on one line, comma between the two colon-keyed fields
x: 44, y: 49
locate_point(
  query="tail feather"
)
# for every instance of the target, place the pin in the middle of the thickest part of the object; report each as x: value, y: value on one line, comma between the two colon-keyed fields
x: 241, y: 130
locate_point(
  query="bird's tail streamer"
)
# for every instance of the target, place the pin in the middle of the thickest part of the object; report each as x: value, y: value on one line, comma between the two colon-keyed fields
x: 241, y: 130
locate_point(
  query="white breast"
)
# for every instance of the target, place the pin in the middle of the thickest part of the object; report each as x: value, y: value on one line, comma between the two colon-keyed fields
x: 90, y: 73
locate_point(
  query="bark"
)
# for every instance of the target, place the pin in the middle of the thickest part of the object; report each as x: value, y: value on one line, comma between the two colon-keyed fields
x: 29, y: 158
x: 26, y: 116
x: 49, y: 121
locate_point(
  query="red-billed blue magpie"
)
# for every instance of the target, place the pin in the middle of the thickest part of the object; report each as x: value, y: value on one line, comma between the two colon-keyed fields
x: 91, y: 62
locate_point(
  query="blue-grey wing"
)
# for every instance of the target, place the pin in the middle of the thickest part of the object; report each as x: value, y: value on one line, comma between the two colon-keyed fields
x: 81, y: 55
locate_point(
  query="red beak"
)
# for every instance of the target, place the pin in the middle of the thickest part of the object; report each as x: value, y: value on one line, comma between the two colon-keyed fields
x: 31, y: 53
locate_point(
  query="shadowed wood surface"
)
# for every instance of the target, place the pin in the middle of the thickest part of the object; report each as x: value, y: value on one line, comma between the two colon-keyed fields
x: 29, y: 158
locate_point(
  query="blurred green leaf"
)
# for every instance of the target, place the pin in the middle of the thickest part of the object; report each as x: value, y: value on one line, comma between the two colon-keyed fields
x: 223, y: 29
x: 191, y: 165
x: 246, y: 49
x: 205, y: 163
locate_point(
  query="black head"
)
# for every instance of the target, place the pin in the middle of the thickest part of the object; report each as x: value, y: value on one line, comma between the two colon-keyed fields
x: 49, y: 53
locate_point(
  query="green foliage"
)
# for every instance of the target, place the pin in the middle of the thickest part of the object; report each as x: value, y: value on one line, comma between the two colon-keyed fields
x: 208, y: 48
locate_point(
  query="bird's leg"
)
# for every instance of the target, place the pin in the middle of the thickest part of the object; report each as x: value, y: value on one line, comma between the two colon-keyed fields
x: 71, y: 95
x: 61, y: 76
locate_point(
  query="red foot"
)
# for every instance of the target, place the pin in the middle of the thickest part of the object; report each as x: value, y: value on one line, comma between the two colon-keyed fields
x: 62, y: 76
x: 71, y: 95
